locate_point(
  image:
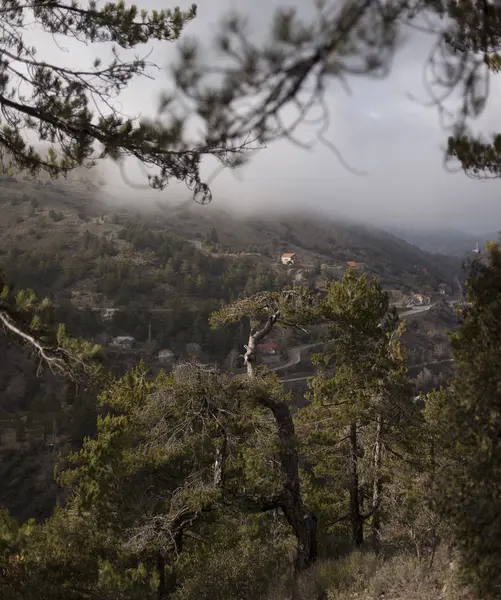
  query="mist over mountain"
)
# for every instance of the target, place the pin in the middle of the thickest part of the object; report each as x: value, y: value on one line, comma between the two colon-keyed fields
x: 447, y: 241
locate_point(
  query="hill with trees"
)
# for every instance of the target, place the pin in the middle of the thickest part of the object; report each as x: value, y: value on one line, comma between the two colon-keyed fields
x: 199, y: 483
x: 162, y: 272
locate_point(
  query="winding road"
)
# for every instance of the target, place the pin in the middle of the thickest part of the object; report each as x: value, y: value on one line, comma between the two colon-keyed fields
x: 295, y: 353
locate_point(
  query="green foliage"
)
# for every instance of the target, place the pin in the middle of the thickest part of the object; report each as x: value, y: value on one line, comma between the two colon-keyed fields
x: 146, y: 485
x: 294, y: 308
x: 176, y: 276
x: 473, y: 30
x: 57, y: 102
x: 360, y: 400
x: 247, y: 555
x: 30, y: 321
x: 466, y: 420
x: 176, y: 495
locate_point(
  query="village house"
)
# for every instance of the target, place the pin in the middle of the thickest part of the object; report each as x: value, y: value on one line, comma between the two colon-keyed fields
x: 268, y: 352
x: 107, y: 314
x: 288, y: 258
x: 165, y: 355
x: 419, y: 300
x: 123, y: 341
x: 444, y: 289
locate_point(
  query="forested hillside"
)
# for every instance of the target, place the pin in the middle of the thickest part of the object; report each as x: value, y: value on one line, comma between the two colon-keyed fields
x: 154, y: 445
x: 166, y: 270
x: 341, y: 496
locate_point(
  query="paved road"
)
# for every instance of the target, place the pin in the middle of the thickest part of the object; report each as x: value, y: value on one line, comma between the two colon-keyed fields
x: 416, y: 311
x: 412, y: 312
x: 423, y: 309
x: 295, y: 356
x: 295, y: 353
x: 297, y: 377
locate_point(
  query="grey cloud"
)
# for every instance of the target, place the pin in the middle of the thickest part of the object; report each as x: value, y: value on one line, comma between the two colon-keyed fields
x: 377, y: 128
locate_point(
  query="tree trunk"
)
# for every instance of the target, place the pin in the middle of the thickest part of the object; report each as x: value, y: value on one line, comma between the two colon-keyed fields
x: 302, y: 520
x: 168, y: 584
x: 162, y: 584
x: 377, y: 484
x: 220, y: 460
x: 356, y: 518
x: 254, y: 338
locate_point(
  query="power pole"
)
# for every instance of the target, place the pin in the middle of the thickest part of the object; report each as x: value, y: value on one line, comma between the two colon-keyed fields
x: 149, y: 331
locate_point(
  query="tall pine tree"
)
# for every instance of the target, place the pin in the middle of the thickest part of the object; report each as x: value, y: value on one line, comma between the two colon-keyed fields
x: 467, y: 423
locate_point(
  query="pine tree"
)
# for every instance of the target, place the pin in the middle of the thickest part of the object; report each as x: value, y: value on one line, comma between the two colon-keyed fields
x: 266, y: 311
x: 360, y: 402
x: 29, y: 320
x: 178, y: 475
x: 466, y: 419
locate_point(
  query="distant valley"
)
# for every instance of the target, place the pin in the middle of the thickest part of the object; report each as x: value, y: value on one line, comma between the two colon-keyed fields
x: 448, y: 242
x: 142, y: 282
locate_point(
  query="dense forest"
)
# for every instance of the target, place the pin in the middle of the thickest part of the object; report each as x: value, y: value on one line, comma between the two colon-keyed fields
x: 164, y: 289
x: 201, y: 483
x: 171, y: 273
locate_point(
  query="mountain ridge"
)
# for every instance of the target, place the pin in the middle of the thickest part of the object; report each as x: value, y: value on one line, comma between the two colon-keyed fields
x: 448, y: 241
x: 50, y: 218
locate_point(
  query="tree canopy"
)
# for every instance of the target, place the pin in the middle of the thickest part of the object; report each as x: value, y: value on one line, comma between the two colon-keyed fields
x: 293, y: 71
x: 75, y: 110
x: 466, y: 420
x: 197, y: 485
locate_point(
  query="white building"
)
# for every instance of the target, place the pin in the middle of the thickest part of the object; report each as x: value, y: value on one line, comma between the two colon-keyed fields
x: 123, y: 341
x: 165, y: 355
x: 107, y: 314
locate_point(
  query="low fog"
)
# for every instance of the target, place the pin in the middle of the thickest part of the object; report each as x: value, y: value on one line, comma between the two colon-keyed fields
x: 397, y: 141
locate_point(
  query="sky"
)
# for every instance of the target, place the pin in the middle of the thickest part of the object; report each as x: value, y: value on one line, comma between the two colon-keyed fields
x: 379, y: 129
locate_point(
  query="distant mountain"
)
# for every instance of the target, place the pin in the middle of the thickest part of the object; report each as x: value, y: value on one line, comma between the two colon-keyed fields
x: 49, y: 220
x: 450, y: 242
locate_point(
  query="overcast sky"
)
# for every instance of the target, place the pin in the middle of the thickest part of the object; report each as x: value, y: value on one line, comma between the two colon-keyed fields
x: 377, y: 128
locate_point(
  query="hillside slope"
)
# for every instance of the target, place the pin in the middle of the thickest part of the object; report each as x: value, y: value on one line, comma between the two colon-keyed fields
x: 393, y: 260
x: 45, y: 228
x: 166, y: 269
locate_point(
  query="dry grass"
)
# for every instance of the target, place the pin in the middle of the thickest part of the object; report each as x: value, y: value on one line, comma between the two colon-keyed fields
x: 365, y: 576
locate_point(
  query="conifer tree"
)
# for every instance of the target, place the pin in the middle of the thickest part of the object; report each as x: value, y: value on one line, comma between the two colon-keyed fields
x: 466, y: 419
x: 266, y: 311
x: 360, y: 406
x: 29, y: 320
